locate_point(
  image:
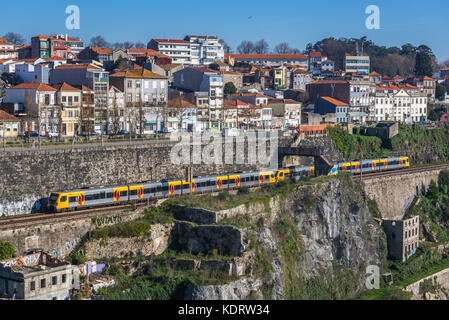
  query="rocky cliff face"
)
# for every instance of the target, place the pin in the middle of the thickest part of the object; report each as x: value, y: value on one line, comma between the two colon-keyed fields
x: 314, y: 243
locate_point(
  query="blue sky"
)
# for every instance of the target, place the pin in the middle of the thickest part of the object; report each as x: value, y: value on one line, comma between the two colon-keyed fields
x: 297, y: 22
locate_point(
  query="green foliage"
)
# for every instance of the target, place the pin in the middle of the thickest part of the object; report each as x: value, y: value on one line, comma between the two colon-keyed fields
x: 374, y: 209
x: 77, y: 258
x: 423, y: 66
x: 7, y: 250
x: 123, y: 230
x: 440, y: 91
x: 162, y: 214
x: 230, y: 89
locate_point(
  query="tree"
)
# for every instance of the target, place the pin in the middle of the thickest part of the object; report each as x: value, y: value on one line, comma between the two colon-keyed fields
x: 261, y: 47
x: 423, y: 64
x: 117, y: 45
x: 99, y: 41
x: 245, y: 47
x: 229, y: 89
x: 440, y: 92
x: 14, y: 38
x: 7, y: 250
x: 227, y: 49
x: 282, y: 48
x: 309, y: 48
x: 128, y: 45
x: 295, y: 51
x: 140, y: 45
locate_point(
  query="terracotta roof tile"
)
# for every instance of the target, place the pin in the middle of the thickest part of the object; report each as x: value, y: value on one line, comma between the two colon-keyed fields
x: 36, y: 86
x: 334, y: 101
x: 269, y: 56
x: 65, y: 87
x: 5, y: 116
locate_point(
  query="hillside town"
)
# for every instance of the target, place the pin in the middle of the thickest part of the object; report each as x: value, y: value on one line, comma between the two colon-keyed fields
x: 57, y: 86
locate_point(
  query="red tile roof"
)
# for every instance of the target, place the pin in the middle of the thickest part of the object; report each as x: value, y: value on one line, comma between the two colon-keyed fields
x: 445, y: 69
x: 36, y: 86
x: 315, y: 54
x: 180, y: 103
x: 65, y: 87
x: 204, y: 70
x: 374, y: 74
x: 55, y: 58
x: 269, y: 56
x: 100, y: 50
x: 77, y: 66
x: 334, y: 101
x: 5, y: 116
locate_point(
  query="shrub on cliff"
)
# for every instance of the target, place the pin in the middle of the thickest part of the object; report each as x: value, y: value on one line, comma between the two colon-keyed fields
x: 7, y: 251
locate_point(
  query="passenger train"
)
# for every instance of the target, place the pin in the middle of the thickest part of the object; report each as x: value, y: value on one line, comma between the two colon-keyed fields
x: 114, y: 195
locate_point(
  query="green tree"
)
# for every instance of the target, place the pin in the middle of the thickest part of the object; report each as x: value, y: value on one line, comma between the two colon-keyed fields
x: 423, y: 64
x: 229, y: 89
x: 440, y: 91
x: 7, y: 250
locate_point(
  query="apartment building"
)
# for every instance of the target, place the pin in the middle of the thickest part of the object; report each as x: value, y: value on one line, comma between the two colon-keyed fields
x: 178, y: 50
x: 326, y: 105
x: 403, y: 104
x: 426, y: 85
x: 70, y: 100
x: 7, y: 50
x: 269, y: 60
x: 208, y: 81
x: 9, y: 125
x: 40, y: 109
x: 119, y: 117
x: 205, y: 50
x: 30, y: 72
x: 359, y: 64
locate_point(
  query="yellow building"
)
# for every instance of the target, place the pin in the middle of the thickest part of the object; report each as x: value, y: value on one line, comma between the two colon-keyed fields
x: 9, y: 125
x: 69, y: 98
x: 279, y: 77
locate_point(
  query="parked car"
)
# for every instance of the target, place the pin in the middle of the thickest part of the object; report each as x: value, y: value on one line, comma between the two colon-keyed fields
x: 94, y: 133
x: 53, y: 134
x: 124, y: 132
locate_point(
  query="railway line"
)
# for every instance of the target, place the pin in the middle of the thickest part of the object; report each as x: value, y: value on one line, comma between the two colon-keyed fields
x: 410, y: 170
x: 20, y: 221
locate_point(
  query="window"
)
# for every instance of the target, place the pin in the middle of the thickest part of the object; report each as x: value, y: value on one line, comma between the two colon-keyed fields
x: 137, y: 84
x: 130, y: 84
x: 72, y: 199
x: 54, y: 280
x: 32, y: 285
x: 43, y: 283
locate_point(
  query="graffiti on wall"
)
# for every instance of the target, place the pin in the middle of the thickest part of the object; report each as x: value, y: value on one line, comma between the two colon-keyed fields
x: 27, y: 261
x: 71, y: 244
x: 106, y: 221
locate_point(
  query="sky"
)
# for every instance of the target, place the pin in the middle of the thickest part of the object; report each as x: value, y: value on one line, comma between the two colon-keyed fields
x: 297, y: 22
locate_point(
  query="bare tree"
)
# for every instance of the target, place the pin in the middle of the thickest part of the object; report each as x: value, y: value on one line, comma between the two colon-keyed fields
x: 261, y: 47
x: 14, y: 38
x: 282, y: 48
x: 296, y: 51
x: 245, y: 47
x: 140, y: 45
x: 227, y: 49
x: 99, y: 41
x: 128, y: 45
x: 117, y: 45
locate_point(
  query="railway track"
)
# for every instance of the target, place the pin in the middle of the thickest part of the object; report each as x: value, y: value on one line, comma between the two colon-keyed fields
x: 40, y: 217
x: 21, y: 220
x: 401, y: 172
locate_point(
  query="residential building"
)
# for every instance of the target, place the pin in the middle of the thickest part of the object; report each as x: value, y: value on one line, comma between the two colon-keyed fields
x: 286, y: 113
x: 402, y: 104
x: 87, y: 114
x: 30, y: 72
x: 359, y: 64
x: 444, y: 73
x: 315, y: 62
x: 9, y: 125
x: 280, y: 77
x: 268, y: 59
x: 148, y: 56
x: 103, y: 55
x: 255, y: 99
x: 70, y: 100
x: 7, y: 50
x: 24, y: 51
x: 234, y: 77
x: 375, y: 77
x: 300, y: 79
x: 178, y: 50
x: 9, y: 65
x: 402, y: 237
x: 143, y: 90
x: 37, y: 276
x: 264, y: 76
x: 196, y: 79
x: 425, y: 84
x: 181, y: 116
x: 205, y: 50
x: 296, y: 94
x: 327, y: 66
x: 40, y: 46
x: 325, y: 105
x: 119, y: 117
x: 40, y: 109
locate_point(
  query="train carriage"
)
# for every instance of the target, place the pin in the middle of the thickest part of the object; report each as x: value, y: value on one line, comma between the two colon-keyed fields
x: 267, y: 177
x: 234, y: 181
x: 298, y: 173
x: 205, y: 184
x: 250, y: 179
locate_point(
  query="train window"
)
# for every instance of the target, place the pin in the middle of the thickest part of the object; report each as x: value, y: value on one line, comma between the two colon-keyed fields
x: 72, y: 199
x: 185, y: 186
x: 123, y: 193
x: 110, y: 195
x: 63, y: 199
x: 102, y: 195
x: 232, y: 181
x: 148, y: 190
x: 178, y: 187
x: 89, y: 197
x: 133, y: 193
x: 96, y: 196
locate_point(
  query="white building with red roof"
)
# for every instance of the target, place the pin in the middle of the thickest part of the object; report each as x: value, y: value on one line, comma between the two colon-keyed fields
x: 179, y: 50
